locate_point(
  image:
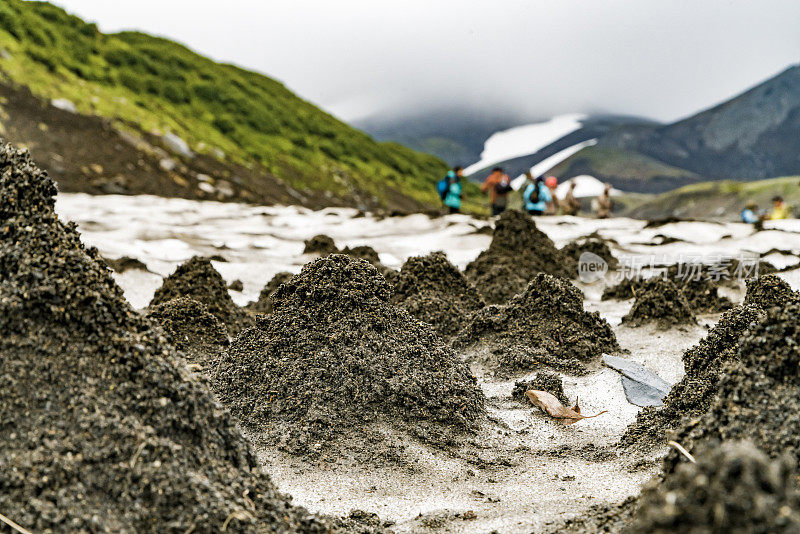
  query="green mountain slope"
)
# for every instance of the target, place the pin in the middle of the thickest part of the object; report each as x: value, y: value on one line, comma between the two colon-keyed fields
x: 148, y: 85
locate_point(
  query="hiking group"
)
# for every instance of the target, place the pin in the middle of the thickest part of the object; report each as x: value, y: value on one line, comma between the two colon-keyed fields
x: 538, y: 196
x: 780, y: 210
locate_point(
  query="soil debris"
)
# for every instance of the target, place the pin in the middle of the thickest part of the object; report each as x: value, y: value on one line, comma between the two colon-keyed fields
x: 701, y: 290
x: 693, y: 394
x: 236, y: 285
x: 769, y: 291
x: 434, y: 291
x: 543, y: 381
x: 758, y: 394
x: 320, y: 244
x: 197, y: 279
x: 336, y: 356
x: 733, y: 487
x: 193, y: 330
x: 324, y: 245
x: 125, y: 263
x: 518, y: 251
x: 659, y: 302
x: 264, y: 302
x: 545, y: 326
x: 594, y: 244
x: 102, y: 427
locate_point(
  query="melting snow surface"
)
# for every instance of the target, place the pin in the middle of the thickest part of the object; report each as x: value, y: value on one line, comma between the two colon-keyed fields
x: 524, y: 140
x: 257, y: 241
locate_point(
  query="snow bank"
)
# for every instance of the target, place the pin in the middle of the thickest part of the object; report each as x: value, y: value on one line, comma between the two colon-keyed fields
x: 524, y: 140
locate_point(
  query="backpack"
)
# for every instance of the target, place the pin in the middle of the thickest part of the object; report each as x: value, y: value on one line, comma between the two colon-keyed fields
x: 443, y: 186
x: 503, y: 187
x: 534, y: 198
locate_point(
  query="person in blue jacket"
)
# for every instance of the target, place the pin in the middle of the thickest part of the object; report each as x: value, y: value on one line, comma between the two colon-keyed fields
x: 536, y: 196
x: 454, y: 193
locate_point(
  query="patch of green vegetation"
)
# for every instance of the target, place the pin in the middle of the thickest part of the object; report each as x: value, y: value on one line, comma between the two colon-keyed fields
x: 718, y: 200
x: 620, y: 163
x: 159, y: 85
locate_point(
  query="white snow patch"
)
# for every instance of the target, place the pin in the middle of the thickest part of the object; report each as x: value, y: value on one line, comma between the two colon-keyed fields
x: 585, y: 186
x: 524, y: 140
x: 548, y: 163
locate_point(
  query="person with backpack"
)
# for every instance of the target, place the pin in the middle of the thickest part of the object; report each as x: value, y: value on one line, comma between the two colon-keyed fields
x: 443, y: 185
x: 453, y: 196
x: 498, y: 185
x: 536, y: 195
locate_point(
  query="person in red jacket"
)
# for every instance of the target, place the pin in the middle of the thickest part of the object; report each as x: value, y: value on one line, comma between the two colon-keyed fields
x: 498, y: 185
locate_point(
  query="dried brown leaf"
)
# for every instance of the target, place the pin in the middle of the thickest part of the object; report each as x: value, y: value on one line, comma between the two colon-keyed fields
x: 553, y: 407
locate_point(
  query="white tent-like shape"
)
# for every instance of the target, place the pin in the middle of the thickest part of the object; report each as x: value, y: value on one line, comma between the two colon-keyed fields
x: 585, y: 186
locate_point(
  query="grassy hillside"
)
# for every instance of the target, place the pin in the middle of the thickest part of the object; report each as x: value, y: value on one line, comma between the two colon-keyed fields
x: 155, y: 85
x: 722, y: 200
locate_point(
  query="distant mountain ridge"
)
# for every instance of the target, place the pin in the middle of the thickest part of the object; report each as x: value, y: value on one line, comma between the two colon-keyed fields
x: 755, y: 135
x: 752, y: 136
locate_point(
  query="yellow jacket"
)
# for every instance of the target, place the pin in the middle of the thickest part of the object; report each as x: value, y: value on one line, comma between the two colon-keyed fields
x: 780, y: 212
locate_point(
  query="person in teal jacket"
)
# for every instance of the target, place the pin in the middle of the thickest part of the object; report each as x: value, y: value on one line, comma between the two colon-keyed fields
x: 535, y: 204
x: 454, y: 192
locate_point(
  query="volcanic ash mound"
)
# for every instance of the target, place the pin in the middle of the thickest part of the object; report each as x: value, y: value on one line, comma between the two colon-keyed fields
x: 264, y: 302
x: 197, y: 279
x: 546, y: 325
x: 335, y: 356
x: 769, y: 291
x: 103, y: 429
x: 192, y: 329
x: 733, y: 487
x: 593, y: 244
x: 518, y: 252
x: 660, y: 302
x: 693, y: 394
x: 759, y: 395
x: 434, y: 291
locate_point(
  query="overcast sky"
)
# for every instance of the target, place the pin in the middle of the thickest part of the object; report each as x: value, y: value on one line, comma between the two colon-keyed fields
x: 663, y: 59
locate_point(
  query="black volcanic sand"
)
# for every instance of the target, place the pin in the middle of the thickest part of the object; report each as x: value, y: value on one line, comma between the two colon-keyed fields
x: 264, y: 302
x: 759, y: 395
x: 733, y: 488
x: 518, y: 251
x: 659, y: 302
x: 335, y: 356
x: 769, y: 291
x: 192, y: 330
x: 101, y: 428
x: 546, y: 325
x: 197, y: 279
x: 702, y: 293
x: 693, y: 394
x: 125, y: 263
x: 543, y: 381
x: 595, y: 245
x: 324, y: 245
x: 320, y: 244
x: 434, y: 291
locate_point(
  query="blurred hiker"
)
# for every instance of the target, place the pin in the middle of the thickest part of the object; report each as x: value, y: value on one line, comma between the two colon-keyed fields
x: 536, y: 196
x: 452, y: 198
x: 604, y: 203
x: 749, y: 214
x: 552, y: 206
x: 498, y: 185
x: 570, y: 204
x: 779, y: 209
x: 443, y: 185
